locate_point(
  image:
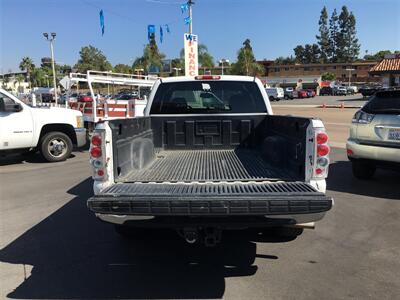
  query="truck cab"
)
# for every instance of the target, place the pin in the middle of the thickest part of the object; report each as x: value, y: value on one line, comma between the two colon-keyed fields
x: 51, y: 130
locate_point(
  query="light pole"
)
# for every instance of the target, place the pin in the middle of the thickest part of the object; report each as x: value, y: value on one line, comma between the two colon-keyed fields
x: 222, y: 61
x: 177, y: 70
x: 51, y: 40
x: 350, y: 73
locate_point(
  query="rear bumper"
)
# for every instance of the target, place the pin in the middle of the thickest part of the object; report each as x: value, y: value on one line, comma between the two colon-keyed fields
x: 210, y: 221
x: 372, y: 152
x: 80, y: 137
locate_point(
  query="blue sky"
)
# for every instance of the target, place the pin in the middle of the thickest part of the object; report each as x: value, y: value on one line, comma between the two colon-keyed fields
x: 274, y: 27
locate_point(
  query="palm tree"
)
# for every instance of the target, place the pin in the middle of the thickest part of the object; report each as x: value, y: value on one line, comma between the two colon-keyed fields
x: 19, y: 78
x: 27, y: 65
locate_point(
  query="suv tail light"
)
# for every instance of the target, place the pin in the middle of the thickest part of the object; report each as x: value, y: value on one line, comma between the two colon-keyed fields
x: 361, y: 117
x: 97, y: 159
x: 321, y: 157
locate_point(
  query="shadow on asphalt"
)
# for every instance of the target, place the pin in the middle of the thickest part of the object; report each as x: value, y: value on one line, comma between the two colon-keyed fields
x: 33, y: 158
x: 76, y: 256
x: 385, y: 184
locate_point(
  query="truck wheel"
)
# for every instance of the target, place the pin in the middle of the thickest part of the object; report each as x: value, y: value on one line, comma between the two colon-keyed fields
x: 363, y: 170
x: 55, y: 146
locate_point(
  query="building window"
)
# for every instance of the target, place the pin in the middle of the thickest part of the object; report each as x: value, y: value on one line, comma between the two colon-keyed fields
x: 354, y: 75
x: 277, y: 69
x: 354, y: 67
x: 306, y: 69
x: 296, y: 69
x: 334, y: 67
x: 343, y: 75
x: 344, y: 67
x: 324, y: 68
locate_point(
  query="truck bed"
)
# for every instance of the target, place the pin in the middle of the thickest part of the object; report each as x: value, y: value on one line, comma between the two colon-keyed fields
x: 207, y: 165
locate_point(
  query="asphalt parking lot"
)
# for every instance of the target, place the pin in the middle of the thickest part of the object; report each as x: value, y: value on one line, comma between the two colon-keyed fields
x: 52, y: 247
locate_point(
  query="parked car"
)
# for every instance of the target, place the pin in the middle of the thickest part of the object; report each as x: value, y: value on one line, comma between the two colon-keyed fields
x: 311, y: 93
x: 174, y: 166
x: 302, y: 94
x: 375, y: 135
x: 326, y: 91
x: 369, y: 90
x: 85, y: 98
x: 353, y: 89
x: 340, y: 91
x: 288, y: 94
x: 126, y: 97
x: 52, y: 130
x: 275, y: 93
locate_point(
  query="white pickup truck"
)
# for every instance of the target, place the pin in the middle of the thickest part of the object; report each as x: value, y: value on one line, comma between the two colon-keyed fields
x: 51, y: 130
x: 209, y: 155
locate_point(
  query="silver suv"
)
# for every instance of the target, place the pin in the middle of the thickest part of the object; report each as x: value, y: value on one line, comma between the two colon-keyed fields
x: 375, y: 135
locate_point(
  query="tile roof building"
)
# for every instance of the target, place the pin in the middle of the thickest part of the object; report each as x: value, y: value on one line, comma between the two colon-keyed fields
x: 388, y: 69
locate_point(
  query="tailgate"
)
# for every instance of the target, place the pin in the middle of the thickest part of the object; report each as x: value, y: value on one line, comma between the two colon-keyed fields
x: 197, y: 199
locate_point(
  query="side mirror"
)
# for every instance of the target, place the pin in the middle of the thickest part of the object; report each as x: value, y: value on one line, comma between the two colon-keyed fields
x: 15, y: 107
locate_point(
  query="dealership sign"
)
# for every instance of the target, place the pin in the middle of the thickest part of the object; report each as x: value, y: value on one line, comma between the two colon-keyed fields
x: 191, y: 59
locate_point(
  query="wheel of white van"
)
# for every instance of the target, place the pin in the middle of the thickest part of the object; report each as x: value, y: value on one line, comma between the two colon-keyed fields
x: 55, y: 146
x: 363, y: 170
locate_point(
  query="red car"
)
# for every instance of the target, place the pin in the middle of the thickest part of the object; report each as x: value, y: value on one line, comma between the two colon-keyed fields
x: 302, y: 94
x: 85, y: 98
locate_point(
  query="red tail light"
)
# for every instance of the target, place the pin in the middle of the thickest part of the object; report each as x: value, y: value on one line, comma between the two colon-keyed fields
x: 207, y: 77
x: 323, y: 150
x: 95, y: 152
x: 96, y: 140
x: 322, y: 138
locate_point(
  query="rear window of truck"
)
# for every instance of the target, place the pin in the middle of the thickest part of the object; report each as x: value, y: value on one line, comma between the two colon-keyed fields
x: 208, y: 97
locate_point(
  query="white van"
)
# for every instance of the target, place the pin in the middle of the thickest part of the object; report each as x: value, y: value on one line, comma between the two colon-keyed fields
x: 275, y: 93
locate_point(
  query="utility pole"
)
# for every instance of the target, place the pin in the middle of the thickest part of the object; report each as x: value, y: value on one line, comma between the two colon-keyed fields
x: 190, y: 3
x: 51, y: 40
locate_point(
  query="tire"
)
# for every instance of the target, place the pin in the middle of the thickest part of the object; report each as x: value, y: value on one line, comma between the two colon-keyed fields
x: 286, y: 97
x: 363, y: 170
x: 55, y: 146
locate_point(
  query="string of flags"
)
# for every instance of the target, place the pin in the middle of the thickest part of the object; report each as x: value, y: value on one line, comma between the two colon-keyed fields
x: 151, y: 29
x: 102, y: 22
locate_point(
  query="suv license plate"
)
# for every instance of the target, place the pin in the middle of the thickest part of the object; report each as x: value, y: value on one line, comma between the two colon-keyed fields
x: 394, y: 134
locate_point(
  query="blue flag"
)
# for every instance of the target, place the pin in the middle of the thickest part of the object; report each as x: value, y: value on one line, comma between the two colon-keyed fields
x: 184, y: 7
x: 102, y: 22
x: 188, y: 20
x: 151, y: 30
x: 167, y: 28
x: 161, y: 35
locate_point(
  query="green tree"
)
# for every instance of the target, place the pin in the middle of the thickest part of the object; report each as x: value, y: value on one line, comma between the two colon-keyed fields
x: 307, y: 54
x: 323, y: 37
x: 378, y: 56
x: 328, y: 76
x: 38, y: 77
x: 289, y: 60
x: 205, y: 58
x: 151, y: 57
x: 333, y: 36
x: 18, y: 79
x: 92, y: 58
x: 123, y: 68
x: 348, y: 47
x: 246, y: 63
x: 64, y: 69
x: 27, y: 65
